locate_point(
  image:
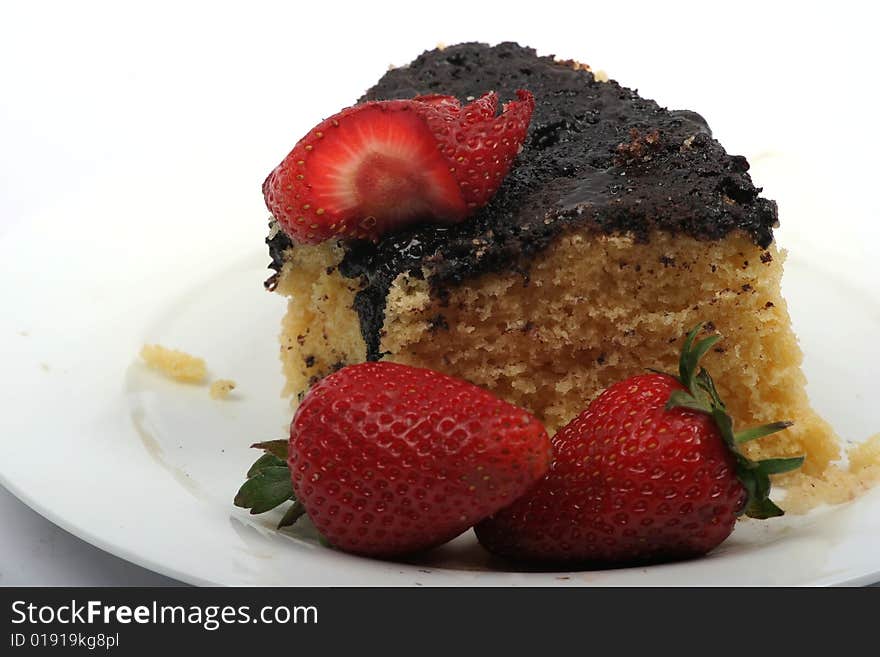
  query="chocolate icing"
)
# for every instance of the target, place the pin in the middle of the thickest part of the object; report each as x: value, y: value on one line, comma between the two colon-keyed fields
x: 597, y: 155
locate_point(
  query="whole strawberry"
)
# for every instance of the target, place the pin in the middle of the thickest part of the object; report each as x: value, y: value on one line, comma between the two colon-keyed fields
x: 649, y: 472
x: 382, y: 164
x: 388, y: 459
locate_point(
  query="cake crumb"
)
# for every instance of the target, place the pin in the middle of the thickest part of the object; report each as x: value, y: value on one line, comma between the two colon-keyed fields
x: 178, y: 365
x: 864, y: 455
x: 600, y: 76
x: 641, y: 147
x: 575, y: 65
x: 274, y: 229
x: 837, y: 485
x: 221, y: 388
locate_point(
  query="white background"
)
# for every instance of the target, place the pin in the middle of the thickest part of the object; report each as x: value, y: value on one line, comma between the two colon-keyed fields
x: 89, y: 88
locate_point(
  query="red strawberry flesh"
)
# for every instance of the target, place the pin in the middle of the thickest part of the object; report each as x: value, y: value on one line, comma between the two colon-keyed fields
x: 382, y: 163
x: 377, y: 166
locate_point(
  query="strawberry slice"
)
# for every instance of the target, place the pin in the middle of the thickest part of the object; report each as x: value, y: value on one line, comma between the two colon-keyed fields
x: 380, y: 165
x: 479, y: 146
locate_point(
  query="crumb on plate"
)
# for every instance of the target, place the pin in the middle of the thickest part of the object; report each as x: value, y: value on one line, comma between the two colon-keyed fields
x: 221, y: 388
x: 178, y: 365
x: 838, y: 484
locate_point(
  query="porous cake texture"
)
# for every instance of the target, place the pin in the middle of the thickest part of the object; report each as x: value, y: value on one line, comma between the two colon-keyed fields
x: 621, y: 226
x: 592, y: 311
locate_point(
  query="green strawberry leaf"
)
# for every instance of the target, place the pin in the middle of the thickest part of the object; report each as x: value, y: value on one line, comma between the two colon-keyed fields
x: 702, y: 347
x: 708, y: 385
x: 265, y: 461
x: 268, y: 484
x: 701, y: 395
x: 763, y: 509
x: 760, y: 432
x: 276, y: 447
x: 294, y: 512
x: 686, y: 363
x: 780, y: 466
x: 684, y: 399
x: 265, y: 490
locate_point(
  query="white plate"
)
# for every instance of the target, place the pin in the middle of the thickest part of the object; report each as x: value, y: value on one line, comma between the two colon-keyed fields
x: 146, y: 468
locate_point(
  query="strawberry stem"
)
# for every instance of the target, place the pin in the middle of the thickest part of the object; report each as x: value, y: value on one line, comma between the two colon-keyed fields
x: 702, y: 396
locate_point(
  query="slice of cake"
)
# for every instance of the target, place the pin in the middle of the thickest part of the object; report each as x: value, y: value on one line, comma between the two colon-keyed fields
x: 620, y: 226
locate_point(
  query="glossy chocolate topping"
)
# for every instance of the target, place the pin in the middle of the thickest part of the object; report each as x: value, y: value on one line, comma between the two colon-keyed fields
x: 597, y: 156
